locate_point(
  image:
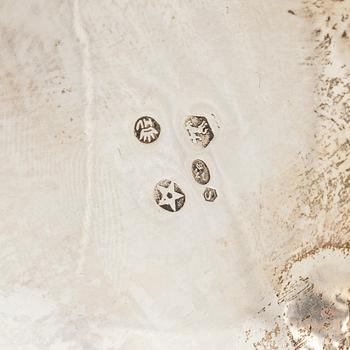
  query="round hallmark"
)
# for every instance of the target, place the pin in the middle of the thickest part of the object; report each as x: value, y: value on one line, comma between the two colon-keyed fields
x: 169, y: 196
x: 200, y: 172
x: 147, y: 130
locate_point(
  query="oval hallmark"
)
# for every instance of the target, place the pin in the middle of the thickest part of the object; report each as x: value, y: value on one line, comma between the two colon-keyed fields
x: 200, y: 171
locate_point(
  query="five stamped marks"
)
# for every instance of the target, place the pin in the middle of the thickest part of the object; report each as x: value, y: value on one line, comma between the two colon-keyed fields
x: 168, y: 194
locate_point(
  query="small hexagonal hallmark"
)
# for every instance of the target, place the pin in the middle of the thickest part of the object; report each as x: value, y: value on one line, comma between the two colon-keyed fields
x: 199, y: 130
x: 210, y: 194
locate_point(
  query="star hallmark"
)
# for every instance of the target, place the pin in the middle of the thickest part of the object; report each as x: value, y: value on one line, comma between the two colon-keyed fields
x: 169, y: 196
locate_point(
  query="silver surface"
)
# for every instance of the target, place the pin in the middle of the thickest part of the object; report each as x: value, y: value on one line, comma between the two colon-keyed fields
x: 88, y: 260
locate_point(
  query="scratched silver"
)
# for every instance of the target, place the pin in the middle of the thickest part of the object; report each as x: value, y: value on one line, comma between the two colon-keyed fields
x: 258, y: 90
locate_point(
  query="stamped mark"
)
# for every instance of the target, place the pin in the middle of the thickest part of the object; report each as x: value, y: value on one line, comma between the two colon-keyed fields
x: 147, y: 129
x: 210, y: 194
x: 169, y: 196
x: 199, y: 130
x: 200, y: 171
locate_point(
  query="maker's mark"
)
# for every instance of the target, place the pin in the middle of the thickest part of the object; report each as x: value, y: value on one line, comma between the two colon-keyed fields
x: 147, y: 129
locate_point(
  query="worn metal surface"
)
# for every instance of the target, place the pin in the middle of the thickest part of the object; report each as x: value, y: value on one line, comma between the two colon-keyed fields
x: 87, y: 258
